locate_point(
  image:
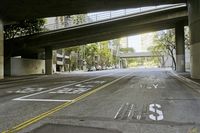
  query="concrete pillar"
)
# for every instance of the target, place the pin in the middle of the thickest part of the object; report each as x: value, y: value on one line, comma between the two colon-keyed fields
x: 48, y: 61
x: 194, y: 24
x: 7, y: 66
x: 1, y: 51
x: 180, y: 47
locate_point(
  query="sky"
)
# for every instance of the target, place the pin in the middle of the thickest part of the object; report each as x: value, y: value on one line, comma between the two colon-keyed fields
x: 135, y: 42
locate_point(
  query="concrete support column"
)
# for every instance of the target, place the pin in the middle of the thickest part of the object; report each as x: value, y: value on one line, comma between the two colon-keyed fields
x: 180, y: 47
x: 194, y: 24
x: 7, y: 66
x: 1, y: 51
x: 48, y: 61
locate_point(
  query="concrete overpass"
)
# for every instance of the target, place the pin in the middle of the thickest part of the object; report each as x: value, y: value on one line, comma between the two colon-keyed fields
x: 14, y: 10
x: 98, y: 31
x: 138, y: 55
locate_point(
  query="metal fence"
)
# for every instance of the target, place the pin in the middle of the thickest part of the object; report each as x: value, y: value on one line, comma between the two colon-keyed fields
x: 100, y: 16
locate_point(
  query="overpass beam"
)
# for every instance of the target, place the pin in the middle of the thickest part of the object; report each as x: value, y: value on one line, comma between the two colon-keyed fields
x: 1, y: 51
x: 194, y: 24
x: 48, y: 61
x: 180, y: 47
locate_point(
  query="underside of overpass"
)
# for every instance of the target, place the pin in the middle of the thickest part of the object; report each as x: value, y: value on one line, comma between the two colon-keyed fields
x: 15, y: 10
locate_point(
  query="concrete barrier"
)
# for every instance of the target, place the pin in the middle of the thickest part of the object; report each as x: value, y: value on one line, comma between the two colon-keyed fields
x: 20, y: 66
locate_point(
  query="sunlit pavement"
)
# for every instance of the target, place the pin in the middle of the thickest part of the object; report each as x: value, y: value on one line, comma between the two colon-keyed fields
x: 123, y: 100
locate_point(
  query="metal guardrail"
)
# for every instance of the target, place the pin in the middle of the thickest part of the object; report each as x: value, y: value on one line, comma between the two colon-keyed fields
x: 100, y: 16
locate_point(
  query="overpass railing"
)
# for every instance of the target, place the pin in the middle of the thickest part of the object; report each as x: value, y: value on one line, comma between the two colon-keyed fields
x: 76, y: 20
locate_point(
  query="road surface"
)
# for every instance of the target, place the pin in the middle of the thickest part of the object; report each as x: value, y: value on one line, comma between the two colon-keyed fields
x: 110, y: 101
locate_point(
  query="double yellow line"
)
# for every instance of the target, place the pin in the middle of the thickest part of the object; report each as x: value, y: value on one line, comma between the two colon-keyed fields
x: 53, y: 110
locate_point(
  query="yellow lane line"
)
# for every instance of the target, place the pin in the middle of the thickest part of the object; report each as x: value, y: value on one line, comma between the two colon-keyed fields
x: 56, y: 109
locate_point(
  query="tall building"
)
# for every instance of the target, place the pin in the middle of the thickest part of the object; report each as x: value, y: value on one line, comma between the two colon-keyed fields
x: 60, y: 62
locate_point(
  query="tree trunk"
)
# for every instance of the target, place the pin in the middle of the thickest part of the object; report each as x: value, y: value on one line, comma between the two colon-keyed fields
x: 173, y: 58
x: 174, y: 61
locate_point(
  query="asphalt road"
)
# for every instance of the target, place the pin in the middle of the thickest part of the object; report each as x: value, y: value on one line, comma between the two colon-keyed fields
x: 111, y: 101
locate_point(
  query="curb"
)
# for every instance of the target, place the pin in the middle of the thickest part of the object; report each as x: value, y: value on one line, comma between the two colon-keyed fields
x: 195, y: 86
x: 184, y: 78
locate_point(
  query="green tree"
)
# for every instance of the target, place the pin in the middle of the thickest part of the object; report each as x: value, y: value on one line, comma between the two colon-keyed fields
x: 187, y: 37
x: 116, y: 50
x: 91, y: 51
x: 72, y: 52
x: 78, y: 19
x: 105, y: 54
x: 157, y: 51
x: 24, y: 27
x: 165, y: 42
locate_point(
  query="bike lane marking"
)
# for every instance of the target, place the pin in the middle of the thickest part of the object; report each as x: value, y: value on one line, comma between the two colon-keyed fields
x: 58, y: 108
x: 23, y: 98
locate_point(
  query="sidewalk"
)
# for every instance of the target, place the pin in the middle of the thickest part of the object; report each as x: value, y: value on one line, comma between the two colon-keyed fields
x: 20, y: 78
x: 34, y: 76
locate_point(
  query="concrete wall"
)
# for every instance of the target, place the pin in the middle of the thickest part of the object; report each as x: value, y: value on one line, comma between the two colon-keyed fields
x: 168, y: 60
x: 1, y: 51
x: 187, y: 60
x: 20, y: 66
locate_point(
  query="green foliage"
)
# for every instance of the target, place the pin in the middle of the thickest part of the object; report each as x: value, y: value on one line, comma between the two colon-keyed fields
x: 164, y: 42
x: 78, y: 19
x: 73, y: 53
x: 70, y: 49
x: 91, y: 52
x: 105, y: 54
x: 24, y: 27
x: 94, y: 54
x: 187, y: 37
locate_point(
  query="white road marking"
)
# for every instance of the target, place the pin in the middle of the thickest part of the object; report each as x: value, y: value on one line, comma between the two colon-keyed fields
x: 60, y: 87
x: 70, y: 91
x: 95, y: 82
x: 27, y: 90
x: 155, y: 86
x: 30, y: 90
x: 78, y: 89
x: 43, y: 100
x: 130, y: 111
x: 83, y: 86
x: 153, y: 108
x: 64, y: 82
x: 120, y: 109
x: 149, y: 87
x: 139, y: 117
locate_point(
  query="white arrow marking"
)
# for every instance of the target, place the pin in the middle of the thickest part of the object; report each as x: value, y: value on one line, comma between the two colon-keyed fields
x: 155, y: 86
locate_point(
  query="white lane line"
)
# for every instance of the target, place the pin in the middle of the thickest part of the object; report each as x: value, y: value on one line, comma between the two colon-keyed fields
x: 120, y: 109
x: 42, y: 100
x: 130, y: 111
x: 60, y: 87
